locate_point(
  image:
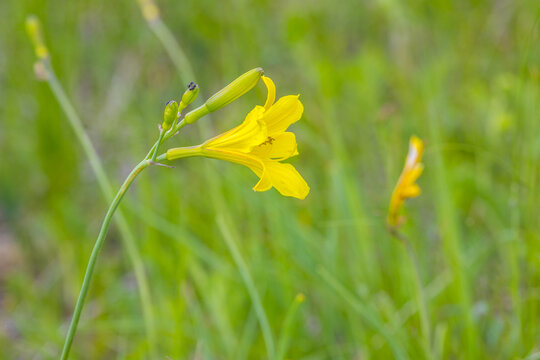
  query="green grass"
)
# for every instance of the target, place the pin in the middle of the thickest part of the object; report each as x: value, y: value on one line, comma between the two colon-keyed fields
x: 225, y: 264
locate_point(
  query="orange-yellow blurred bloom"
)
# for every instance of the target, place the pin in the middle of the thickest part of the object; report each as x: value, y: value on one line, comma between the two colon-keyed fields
x: 261, y: 142
x: 406, y: 186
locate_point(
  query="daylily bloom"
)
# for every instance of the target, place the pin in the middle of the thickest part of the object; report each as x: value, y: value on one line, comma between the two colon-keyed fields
x: 261, y: 142
x: 406, y: 186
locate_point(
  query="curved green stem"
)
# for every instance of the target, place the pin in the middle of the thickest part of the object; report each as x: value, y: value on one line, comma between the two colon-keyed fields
x: 105, y: 185
x: 93, y: 257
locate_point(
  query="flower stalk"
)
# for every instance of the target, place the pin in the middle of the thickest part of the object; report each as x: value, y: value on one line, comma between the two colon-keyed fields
x: 95, y: 252
x: 45, y: 72
x: 253, y: 140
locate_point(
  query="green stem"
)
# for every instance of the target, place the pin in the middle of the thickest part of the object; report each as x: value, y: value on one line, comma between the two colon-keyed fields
x: 158, y: 143
x: 93, y: 257
x: 421, y: 302
x: 153, y: 151
x: 105, y: 185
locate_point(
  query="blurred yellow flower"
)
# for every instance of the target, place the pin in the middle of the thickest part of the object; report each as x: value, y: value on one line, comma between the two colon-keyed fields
x: 261, y: 142
x: 406, y: 186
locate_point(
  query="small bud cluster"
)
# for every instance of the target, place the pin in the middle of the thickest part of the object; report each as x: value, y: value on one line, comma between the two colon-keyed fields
x: 225, y: 96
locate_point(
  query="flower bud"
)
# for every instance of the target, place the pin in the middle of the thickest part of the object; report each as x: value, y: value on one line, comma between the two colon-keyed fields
x: 234, y: 90
x: 169, y: 115
x: 190, y: 95
x: 225, y: 96
x: 196, y: 114
x: 33, y: 28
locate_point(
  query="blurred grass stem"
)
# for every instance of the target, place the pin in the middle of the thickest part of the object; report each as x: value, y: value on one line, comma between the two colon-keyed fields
x: 286, y: 329
x: 418, y: 294
x: 250, y: 286
x: 186, y: 74
x: 175, y: 52
x: 367, y: 314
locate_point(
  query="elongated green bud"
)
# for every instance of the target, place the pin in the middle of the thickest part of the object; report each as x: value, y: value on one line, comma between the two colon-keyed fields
x: 33, y: 28
x: 169, y: 115
x: 225, y: 96
x: 196, y: 114
x: 234, y: 90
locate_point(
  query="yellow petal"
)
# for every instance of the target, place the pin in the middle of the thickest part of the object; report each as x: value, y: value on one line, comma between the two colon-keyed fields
x: 244, y: 137
x: 284, y: 178
x: 411, y: 191
x: 278, y: 147
x: 255, y: 164
x: 271, y: 87
x: 252, y: 162
x: 282, y: 114
x: 265, y: 183
x: 415, y: 172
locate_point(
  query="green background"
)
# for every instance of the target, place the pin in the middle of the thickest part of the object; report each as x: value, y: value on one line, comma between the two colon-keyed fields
x: 462, y: 75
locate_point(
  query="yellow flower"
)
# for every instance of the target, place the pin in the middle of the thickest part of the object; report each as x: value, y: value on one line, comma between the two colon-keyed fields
x: 261, y: 142
x: 406, y: 186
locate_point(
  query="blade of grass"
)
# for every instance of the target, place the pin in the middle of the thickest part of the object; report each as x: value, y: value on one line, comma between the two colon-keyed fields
x: 365, y: 313
x: 286, y: 330
x: 250, y: 286
x: 449, y: 230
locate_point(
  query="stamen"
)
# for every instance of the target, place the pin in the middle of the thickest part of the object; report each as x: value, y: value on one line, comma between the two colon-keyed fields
x: 270, y: 140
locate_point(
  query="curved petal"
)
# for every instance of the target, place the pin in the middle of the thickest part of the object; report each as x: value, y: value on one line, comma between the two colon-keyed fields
x: 282, y: 114
x: 271, y: 87
x: 285, y: 179
x: 244, y: 137
x: 416, y: 149
x: 278, y: 147
x: 265, y: 183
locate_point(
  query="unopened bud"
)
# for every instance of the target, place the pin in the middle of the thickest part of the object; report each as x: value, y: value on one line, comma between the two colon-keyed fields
x: 234, y: 90
x: 33, y: 28
x: 190, y: 95
x: 169, y: 115
x: 228, y: 94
